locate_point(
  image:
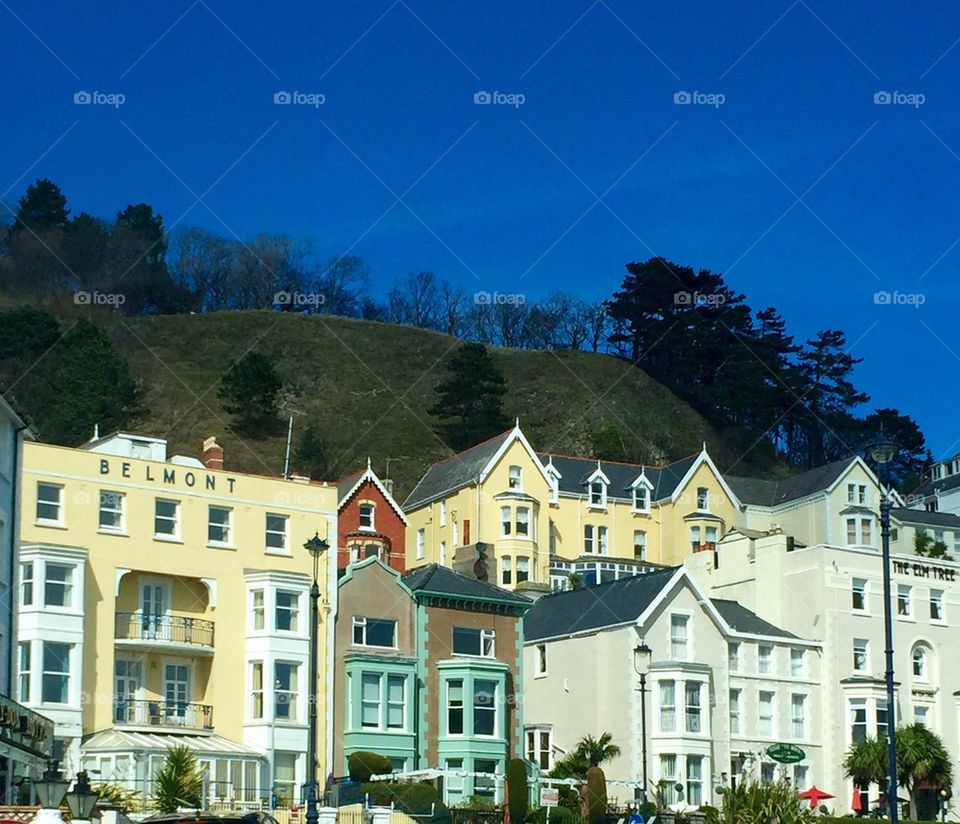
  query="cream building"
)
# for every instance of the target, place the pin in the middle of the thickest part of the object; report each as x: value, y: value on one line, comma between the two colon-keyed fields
x: 833, y: 594
x: 723, y: 685
x: 541, y: 517
x: 164, y: 600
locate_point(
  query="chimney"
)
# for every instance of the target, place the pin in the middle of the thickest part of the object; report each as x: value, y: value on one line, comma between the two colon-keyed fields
x: 212, y: 456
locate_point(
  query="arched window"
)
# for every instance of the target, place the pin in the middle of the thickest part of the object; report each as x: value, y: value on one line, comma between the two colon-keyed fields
x: 919, y: 658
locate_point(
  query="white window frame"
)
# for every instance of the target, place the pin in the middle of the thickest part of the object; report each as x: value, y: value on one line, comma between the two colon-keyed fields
x: 59, y: 520
x: 923, y: 676
x: 603, y: 546
x: 679, y: 619
x: 488, y: 643
x: 120, y: 512
x: 798, y: 662
x: 861, y: 652
x: 296, y: 612
x: 667, y: 711
x: 421, y: 544
x: 522, y: 521
x: 284, y: 548
x: 733, y: 656
x: 443, y: 513
x: 360, y: 623
x: 506, y: 522
x: 506, y: 571
x: 703, y: 499
x: 798, y: 721
x: 515, y: 478
x: 387, y: 703
x: 535, y: 750
x: 540, y: 661
x: 497, y: 720
x: 597, y: 492
x: 736, y: 711
x: 68, y: 584
x: 174, y: 519
x: 859, y: 586
x: 766, y: 725
x: 904, y: 595
x: 589, y: 539
x: 937, y: 603
x: 371, y: 508
x: 641, y: 498
x: 228, y: 526
x: 258, y: 609
x: 640, y: 545
x: 765, y: 663
x: 68, y: 675
x: 28, y: 584
x: 693, y: 714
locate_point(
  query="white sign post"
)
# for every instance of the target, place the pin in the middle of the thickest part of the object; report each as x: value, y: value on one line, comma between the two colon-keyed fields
x: 549, y: 797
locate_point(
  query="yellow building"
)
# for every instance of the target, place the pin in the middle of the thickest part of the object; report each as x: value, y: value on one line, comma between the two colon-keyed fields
x: 543, y: 517
x: 165, y: 600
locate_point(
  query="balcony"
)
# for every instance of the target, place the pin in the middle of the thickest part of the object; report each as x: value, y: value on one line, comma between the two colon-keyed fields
x: 168, y: 715
x: 163, y: 631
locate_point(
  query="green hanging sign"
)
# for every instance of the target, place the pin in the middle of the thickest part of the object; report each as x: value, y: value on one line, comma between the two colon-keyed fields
x: 786, y: 753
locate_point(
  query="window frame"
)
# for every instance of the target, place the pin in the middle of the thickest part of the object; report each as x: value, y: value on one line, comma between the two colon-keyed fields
x: 486, y: 637
x: 293, y: 700
x: 362, y: 623
x: 227, y: 526
x: 861, y: 652
x: 66, y: 675
x: 41, y: 520
x: 174, y: 519
x: 859, y: 586
x: 284, y: 548
x: 68, y: 584
x: 120, y: 512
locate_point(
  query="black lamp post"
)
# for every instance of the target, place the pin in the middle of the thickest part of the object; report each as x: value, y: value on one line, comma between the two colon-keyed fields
x: 316, y: 546
x: 81, y: 799
x: 882, y: 451
x: 642, y: 653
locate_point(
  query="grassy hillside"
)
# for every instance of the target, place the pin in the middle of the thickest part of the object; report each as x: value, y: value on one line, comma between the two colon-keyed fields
x: 370, y: 385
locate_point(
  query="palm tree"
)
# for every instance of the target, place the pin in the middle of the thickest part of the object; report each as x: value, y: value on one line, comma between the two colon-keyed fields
x: 921, y: 758
x: 597, y: 750
x: 924, y: 545
x: 178, y: 782
x: 866, y: 762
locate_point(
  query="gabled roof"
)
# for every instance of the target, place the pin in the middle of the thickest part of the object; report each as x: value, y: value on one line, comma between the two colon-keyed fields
x: 743, y: 620
x: 455, y: 472
x: 575, y: 471
x: 349, y: 484
x: 593, y: 608
x: 773, y: 493
x: 434, y: 579
x: 632, y: 601
x: 921, y: 517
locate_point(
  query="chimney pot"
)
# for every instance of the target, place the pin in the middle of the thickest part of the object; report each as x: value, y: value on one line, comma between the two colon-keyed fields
x: 212, y: 456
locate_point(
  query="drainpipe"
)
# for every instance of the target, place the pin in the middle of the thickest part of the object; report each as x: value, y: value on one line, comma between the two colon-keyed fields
x: 14, y: 542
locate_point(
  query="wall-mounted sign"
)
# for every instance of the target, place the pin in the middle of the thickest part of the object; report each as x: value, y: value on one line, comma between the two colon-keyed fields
x: 786, y: 753
x: 918, y: 570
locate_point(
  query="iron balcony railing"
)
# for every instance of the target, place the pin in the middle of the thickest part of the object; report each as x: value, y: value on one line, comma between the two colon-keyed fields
x: 175, y: 629
x: 150, y: 713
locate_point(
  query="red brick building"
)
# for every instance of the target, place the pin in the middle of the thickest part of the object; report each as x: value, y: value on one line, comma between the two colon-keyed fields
x: 369, y: 521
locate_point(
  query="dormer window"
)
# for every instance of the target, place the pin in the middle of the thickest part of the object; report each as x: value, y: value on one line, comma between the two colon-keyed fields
x: 703, y: 499
x: 516, y: 478
x: 856, y: 493
x: 366, y: 516
x: 937, y: 472
x: 641, y: 498
x: 554, y: 480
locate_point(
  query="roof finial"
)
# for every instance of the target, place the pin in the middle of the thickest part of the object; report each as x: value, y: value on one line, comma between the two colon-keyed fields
x: 517, y: 423
x: 96, y: 431
x: 704, y: 446
x: 368, y: 461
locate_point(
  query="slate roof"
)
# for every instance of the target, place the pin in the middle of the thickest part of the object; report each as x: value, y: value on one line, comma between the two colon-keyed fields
x: 345, y: 484
x: 603, y: 605
x: 455, y: 472
x: 622, y: 602
x: 438, y: 580
x: 575, y: 472
x: 743, y: 620
x: 772, y: 493
x: 931, y: 487
x: 921, y: 517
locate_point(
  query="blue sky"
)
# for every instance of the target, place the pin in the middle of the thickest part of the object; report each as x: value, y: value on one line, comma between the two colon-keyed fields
x: 810, y: 195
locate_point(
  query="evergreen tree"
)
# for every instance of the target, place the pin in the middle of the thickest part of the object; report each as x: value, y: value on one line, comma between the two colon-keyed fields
x: 312, y: 456
x: 470, y: 402
x: 249, y: 391
x: 42, y: 208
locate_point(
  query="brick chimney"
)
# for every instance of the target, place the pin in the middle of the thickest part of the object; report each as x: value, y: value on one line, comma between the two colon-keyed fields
x: 212, y: 456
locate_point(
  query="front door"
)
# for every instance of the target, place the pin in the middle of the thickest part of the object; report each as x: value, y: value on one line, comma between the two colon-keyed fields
x: 126, y: 691
x: 176, y: 692
x: 153, y: 607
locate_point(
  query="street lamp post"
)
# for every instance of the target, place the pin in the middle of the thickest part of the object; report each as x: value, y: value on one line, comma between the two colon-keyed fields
x: 51, y: 788
x: 642, y: 652
x: 316, y: 546
x: 82, y: 799
x: 882, y: 450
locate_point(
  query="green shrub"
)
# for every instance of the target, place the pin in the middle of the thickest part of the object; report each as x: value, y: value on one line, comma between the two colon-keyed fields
x: 596, y: 795
x: 361, y: 765
x: 413, y: 799
x: 751, y: 802
x: 517, y: 790
x: 558, y: 815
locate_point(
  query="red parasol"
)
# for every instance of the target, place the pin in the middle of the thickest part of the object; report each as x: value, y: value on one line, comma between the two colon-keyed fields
x: 815, y: 795
x: 857, y: 803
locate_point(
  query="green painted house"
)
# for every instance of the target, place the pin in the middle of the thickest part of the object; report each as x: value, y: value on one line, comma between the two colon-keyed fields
x: 429, y: 673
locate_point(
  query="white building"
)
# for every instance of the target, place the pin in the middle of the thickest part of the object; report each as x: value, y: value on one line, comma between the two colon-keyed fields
x: 833, y: 594
x: 723, y: 685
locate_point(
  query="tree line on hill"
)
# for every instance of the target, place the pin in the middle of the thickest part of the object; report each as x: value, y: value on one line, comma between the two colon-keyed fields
x: 688, y: 329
